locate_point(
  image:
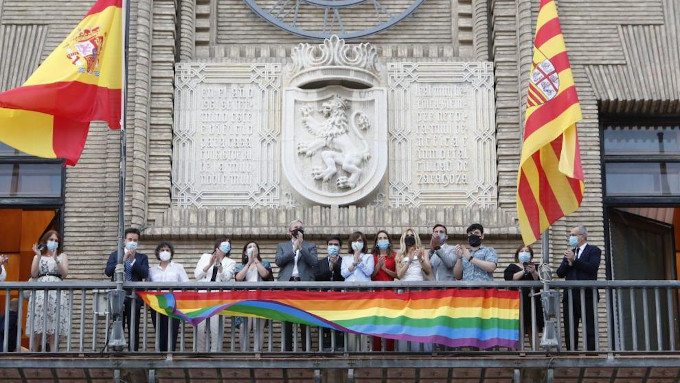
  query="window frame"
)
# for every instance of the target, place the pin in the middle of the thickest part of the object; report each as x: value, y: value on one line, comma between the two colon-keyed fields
x: 632, y: 120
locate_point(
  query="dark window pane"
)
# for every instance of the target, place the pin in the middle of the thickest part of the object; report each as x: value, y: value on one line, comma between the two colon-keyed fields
x: 640, y: 139
x: 6, y: 179
x: 30, y: 180
x: 643, y: 179
x: 6, y: 150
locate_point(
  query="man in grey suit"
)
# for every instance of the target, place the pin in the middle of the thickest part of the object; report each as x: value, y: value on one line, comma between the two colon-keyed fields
x: 442, y: 256
x: 297, y: 261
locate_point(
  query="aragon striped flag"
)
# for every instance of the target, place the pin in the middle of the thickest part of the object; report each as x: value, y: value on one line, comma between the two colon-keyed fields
x: 79, y: 82
x: 550, y: 181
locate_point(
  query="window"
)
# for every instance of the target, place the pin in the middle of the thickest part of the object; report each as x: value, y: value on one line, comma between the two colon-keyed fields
x: 641, y: 159
x: 28, y: 180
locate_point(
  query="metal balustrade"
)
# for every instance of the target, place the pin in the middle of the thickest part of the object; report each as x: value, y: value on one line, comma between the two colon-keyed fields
x: 630, y: 317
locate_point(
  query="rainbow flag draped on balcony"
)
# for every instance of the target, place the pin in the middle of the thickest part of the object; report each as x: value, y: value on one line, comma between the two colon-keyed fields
x: 80, y: 81
x: 481, y: 318
x: 550, y: 179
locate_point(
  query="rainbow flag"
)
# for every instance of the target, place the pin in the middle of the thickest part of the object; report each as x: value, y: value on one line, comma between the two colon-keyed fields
x: 550, y: 181
x: 80, y: 81
x: 482, y: 318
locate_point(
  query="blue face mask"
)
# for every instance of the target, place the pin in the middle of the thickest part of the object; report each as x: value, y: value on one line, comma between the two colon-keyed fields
x: 52, y: 246
x: 383, y: 244
x: 573, y: 240
x: 333, y: 250
x: 225, y: 247
x: 442, y: 237
x: 524, y: 257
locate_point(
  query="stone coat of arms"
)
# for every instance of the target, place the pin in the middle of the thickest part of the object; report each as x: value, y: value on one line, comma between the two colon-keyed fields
x: 335, y: 142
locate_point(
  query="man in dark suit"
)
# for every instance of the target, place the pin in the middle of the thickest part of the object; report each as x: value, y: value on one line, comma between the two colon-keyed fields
x: 297, y: 261
x: 579, y: 264
x: 328, y: 270
x: 136, y: 267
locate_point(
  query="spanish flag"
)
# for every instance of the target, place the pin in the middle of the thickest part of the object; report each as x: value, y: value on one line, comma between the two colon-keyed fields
x: 79, y: 82
x: 550, y: 182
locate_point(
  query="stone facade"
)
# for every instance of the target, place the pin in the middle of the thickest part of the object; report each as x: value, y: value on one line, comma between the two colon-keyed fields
x: 620, y: 65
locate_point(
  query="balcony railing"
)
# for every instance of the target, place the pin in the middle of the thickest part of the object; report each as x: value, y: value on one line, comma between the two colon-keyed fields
x: 632, y: 317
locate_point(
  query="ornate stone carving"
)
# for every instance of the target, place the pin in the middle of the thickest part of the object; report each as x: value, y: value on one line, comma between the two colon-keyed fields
x: 442, y: 135
x: 225, y: 143
x: 334, y: 135
x: 334, y: 59
x: 334, y: 145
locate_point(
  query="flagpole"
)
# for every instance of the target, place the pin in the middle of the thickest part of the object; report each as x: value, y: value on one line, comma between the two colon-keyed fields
x: 549, y: 299
x: 117, y: 299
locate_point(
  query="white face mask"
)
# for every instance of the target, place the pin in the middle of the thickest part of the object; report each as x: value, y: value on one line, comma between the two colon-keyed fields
x: 131, y: 245
x: 164, y: 256
x: 249, y: 251
x: 524, y: 256
x: 52, y: 245
x: 357, y: 246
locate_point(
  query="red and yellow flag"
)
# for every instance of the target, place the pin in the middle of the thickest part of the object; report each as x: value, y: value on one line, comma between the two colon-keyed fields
x: 550, y: 180
x: 79, y: 82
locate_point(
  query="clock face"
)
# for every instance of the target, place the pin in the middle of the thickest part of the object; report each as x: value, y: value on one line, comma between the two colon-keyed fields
x: 320, y: 19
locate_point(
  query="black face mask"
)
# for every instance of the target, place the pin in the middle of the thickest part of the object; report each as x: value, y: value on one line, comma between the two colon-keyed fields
x: 474, y: 240
x: 410, y: 240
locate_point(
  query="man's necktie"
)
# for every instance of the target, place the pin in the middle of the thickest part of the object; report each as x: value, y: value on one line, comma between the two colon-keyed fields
x: 128, y: 269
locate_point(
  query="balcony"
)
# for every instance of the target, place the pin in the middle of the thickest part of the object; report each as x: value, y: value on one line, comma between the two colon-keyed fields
x: 636, y: 340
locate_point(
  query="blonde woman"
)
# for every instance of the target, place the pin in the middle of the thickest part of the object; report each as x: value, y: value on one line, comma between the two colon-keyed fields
x: 413, y: 264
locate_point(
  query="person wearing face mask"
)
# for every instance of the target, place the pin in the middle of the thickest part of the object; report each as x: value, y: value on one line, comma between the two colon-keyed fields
x: 412, y: 261
x: 252, y: 269
x: 524, y: 269
x: 297, y: 261
x: 166, y: 271
x: 49, y: 265
x: 357, y: 266
x: 213, y: 267
x: 136, y: 269
x: 384, y: 269
x: 384, y: 265
x: 413, y: 264
x: 442, y: 256
x: 580, y: 263
x: 478, y: 262
x: 328, y: 270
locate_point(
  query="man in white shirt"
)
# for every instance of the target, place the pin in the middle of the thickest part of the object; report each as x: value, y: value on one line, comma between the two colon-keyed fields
x: 297, y: 261
x: 136, y: 268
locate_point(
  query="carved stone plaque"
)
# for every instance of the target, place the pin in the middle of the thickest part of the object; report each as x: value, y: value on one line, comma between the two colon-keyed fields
x: 442, y: 134
x: 225, y: 142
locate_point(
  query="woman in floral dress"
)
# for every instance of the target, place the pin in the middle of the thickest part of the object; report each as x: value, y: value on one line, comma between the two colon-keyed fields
x: 43, y: 319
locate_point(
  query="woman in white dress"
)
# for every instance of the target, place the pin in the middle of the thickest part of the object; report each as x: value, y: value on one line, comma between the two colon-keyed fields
x: 213, y: 267
x: 413, y: 264
x: 44, y: 319
x: 252, y: 269
x: 166, y: 271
